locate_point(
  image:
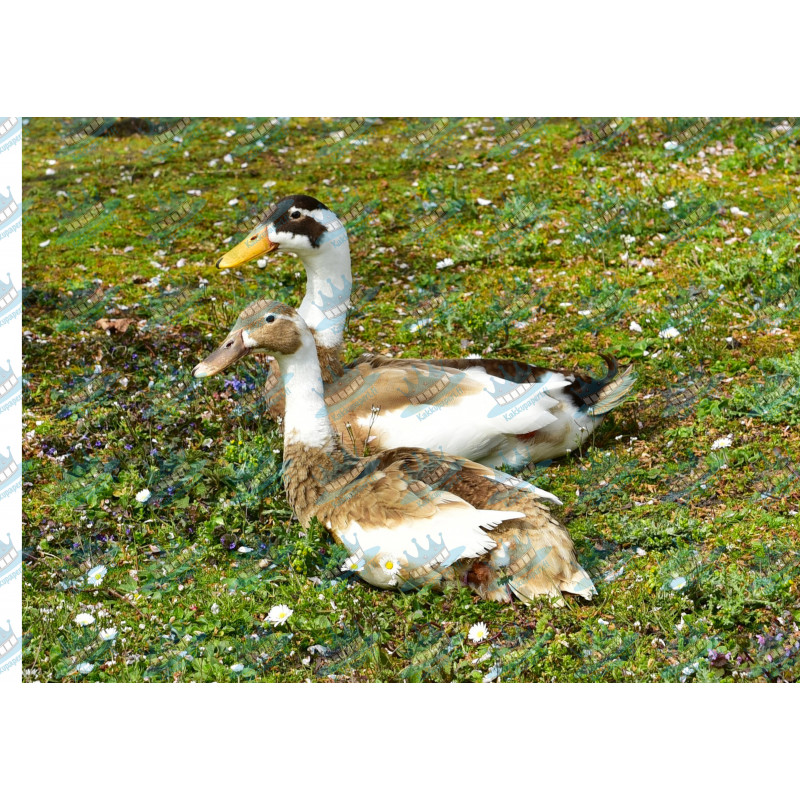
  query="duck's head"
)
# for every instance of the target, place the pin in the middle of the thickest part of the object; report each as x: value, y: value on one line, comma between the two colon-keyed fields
x: 265, y: 326
x: 297, y: 224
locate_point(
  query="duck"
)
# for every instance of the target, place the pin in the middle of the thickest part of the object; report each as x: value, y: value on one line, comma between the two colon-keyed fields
x: 410, y: 517
x: 493, y: 411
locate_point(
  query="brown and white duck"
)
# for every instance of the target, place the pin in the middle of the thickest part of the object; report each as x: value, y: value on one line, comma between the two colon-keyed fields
x: 489, y: 410
x: 407, y: 516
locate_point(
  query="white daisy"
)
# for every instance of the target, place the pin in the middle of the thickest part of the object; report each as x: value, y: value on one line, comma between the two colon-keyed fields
x: 478, y: 632
x: 668, y: 204
x: 354, y: 564
x: 676, y: 584
x: 95, y: 575
x: 143, y: 496
x: 85, y: 668
x: 725, y: 441
x: 391, y: 566
x: 84, y: 619
x: 108, y: 634
x: 670, y: 145
x: 669, y: 333
x: 279, y: 614
x: 237, y: 667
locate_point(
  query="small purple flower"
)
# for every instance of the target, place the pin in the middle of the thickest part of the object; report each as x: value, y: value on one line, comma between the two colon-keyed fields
x: 717, y: 659
x: 129, y: 447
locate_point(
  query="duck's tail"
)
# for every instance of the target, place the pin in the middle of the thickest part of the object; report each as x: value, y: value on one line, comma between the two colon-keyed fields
x: 599, y: 395
x: 537, y: 559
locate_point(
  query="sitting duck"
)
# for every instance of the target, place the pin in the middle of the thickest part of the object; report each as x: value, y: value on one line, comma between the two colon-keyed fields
x: 410, y: 517
x: 488, y: 410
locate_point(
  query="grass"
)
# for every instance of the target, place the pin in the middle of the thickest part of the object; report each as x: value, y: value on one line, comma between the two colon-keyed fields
x: 600, y: 237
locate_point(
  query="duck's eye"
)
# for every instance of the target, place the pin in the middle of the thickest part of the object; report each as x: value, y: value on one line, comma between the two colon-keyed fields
x: 269, y: 318
x: 295, y: 215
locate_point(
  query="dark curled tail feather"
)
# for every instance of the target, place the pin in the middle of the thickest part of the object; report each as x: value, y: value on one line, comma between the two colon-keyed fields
x: 599, y: 395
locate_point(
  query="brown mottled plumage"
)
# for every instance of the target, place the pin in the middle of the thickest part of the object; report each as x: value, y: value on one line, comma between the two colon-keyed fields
x: 533, y: 556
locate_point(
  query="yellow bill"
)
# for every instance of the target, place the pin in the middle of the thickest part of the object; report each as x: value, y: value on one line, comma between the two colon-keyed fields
x: 256, y: 244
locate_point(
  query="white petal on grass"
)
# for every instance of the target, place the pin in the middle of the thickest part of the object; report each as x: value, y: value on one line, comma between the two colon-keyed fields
x: 482, y: 201
x: 669, y: 204
x: 237, y: 667
x: 44, y: 243
x: 635, y: 327
x: 670, y: 145
x: 669, y: 333
x: 85, y: 668
x: 279, y: 614
x: 478, y: 632
x: 676, y: 584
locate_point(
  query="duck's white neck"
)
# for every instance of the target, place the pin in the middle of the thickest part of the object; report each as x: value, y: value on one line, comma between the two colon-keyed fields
x: 305, y: 420
x: 329, y: 282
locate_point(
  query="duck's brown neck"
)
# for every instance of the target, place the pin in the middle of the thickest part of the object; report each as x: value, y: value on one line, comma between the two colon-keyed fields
x: 312, y: 474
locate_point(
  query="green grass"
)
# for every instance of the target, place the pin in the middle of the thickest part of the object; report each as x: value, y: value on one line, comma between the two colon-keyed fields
x: 694, y: 551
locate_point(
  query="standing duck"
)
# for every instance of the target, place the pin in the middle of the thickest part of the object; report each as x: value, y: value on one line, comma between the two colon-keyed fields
x: 489, y: 410
x: 410, y: 517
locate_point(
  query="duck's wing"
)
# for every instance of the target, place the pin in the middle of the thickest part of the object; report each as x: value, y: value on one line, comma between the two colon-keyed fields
x: 380, y: 508
x: 534, y: 556
x: 425, y: 405
x: 483, y: 487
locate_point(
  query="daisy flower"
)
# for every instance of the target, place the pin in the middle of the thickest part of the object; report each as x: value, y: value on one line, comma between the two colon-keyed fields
x: 391, y: 566
x: 237, y: 667
x: 669, y: 333
x: 95, y: 576
x: 279, y: 614
x: 669, y: 204
x: 725, y: 441
x: 676, y: 584
x: 354, y: 564
x: 84, y: 619
x: 85, y: 668
x: 478, y: 632
x: 108, y: 634
x: 143, y: 496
